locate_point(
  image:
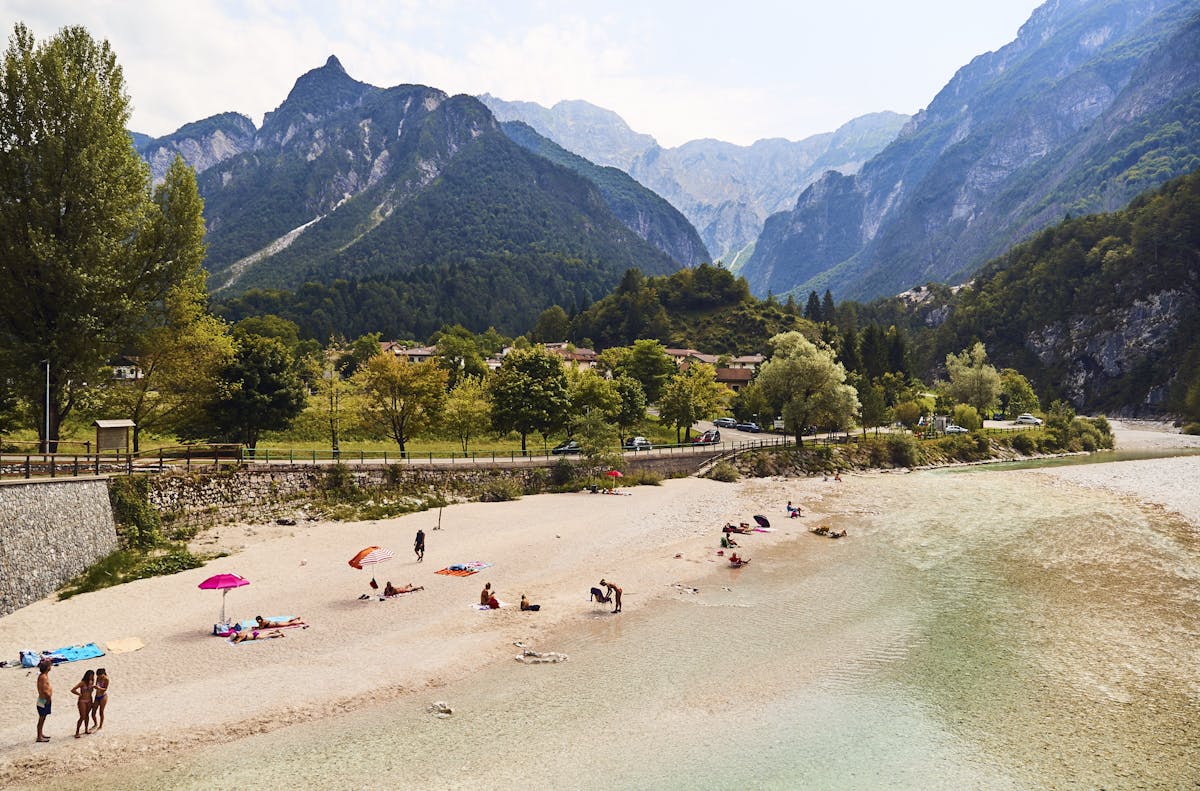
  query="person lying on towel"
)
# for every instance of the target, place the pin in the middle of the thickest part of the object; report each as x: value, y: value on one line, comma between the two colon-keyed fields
x: 254, y: 634
x: 263, y: 623
x: 389, y: 590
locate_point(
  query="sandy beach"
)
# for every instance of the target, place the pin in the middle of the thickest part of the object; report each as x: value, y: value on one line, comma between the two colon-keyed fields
x: 187, y: 688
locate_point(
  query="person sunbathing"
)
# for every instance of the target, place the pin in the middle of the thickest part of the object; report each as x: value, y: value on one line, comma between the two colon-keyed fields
x: 263, y: 623
x: 254, y: 634
x: 389, y: 590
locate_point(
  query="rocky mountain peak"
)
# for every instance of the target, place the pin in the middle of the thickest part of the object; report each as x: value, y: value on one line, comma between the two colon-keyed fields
x: 317, y: 94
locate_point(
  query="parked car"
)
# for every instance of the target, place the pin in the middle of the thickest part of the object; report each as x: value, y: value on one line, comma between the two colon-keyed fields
x: 570, y: 446
x: 753, y: 428
x: 725, y: 422
x: 710, y: 437
x: 1026, y: 419
x: 953, y: 429
x: 638, y: 443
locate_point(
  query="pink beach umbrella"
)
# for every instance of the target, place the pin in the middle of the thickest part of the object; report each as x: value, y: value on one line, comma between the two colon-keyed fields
x: 223, y: 583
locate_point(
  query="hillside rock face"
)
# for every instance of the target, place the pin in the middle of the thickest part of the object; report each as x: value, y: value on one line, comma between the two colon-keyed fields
x: 724, y: 190
x: 202, y: 144
x: 1093, y: 103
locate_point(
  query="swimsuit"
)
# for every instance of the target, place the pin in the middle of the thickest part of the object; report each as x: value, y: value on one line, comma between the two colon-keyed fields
x: 43, y: 707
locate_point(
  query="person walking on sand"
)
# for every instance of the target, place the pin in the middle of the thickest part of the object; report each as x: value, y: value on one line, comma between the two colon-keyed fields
x: 485, y: 595
x: 84, y: 690
x: 101, y: 699
x: 615, y: 592
x: 45, y: 691
x: 419, y: 545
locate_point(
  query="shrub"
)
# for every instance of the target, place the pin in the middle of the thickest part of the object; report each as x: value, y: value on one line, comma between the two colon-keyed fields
x: 724, y: 471
x: 1192, y: 428
x: 967, y: 417
x: 338, y: 478
x: 564, y: 472
x: 499, y: 490
x: 642, y: 478
x: 138, y: 523
x: 1024, y: 443
x: 903, y: 450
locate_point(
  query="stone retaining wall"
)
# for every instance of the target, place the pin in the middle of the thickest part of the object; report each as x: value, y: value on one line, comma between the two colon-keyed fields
x: 50, y: 531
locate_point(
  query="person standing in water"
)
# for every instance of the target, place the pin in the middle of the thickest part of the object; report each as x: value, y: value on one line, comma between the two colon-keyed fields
x: 45, y: 691
x: 101, y: 699
x: 615, y: 592
x: 84, y: 690
x: 419, y: 545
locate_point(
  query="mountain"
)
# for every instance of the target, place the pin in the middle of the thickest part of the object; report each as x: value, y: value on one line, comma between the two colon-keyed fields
x: 640, y: 209
x: 417, y: 199
x: 726, y: 191
x: 202, y: 144
x: 1094, y: 102
x: 595, y: 133
x: 1103, y: 310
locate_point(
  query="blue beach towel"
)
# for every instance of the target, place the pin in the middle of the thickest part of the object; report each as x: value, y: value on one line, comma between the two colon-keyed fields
x: 74, y: 653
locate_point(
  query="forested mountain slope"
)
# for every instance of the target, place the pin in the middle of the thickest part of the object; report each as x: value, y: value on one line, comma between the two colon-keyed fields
x: 1094, y: 102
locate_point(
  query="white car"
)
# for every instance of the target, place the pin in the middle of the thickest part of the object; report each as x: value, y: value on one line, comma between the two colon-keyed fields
x: 953, y: 429
x: 1026, y: 419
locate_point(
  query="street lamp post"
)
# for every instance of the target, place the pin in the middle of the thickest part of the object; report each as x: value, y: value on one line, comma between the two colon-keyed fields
x: 46, y: 435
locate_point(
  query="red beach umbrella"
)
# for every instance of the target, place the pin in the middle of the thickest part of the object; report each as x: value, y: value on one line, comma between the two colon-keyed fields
x: 614, y: 474
x: 371, y: 555
x: 224, y: 583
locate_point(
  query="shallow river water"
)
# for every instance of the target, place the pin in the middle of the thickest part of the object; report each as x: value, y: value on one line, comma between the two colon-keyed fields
x: 976, y: 630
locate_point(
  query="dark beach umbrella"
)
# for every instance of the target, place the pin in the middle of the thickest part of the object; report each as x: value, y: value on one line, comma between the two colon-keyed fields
x: 762, y: 520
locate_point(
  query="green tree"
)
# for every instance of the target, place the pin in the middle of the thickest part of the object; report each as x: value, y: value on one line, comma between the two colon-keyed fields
x: 752, y: 404
x: 972, y: 380
x: 647, y: 361
x: 1016, y: 394
x: 468, y: 412
x: 828, y: 311
x: 633, y: 403
x: 180, y: 355
x: 599, y: 441
x: 260, y: 391
x: 693, y: 395
x: 529, y: 393
x: 872, y: 351
x: 86, y: 245
x: 806, y: 384
x: 588, y: 391
x: 401, y: 398
x: 967, y: 416
x: 873, y: 410
x: 552, y: 326
x: 362, y: 348
x: 908, y: 413
x: 458, y: 354
x: 812, y: 309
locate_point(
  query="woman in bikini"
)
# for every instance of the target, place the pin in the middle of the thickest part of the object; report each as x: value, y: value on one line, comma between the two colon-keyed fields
x: 84, y: 690
x: 101, y: 699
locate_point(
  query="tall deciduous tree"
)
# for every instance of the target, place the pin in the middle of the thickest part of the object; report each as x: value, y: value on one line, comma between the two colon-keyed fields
x: 260, y: 391
x: 400, y: 398
x: 633, y: 403
x: 1016, y: 394
x: 529, y: 393
x: 972, y: 380
x: 646, y: 361
x: 180, y: 360
x: 693, y: 395
x: 806, y: 384
x: 468, y: 412
x: 85, y: 245
x: 589, y: 391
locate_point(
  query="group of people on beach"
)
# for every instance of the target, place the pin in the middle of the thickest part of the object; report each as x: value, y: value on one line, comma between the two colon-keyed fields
x: 92, y: 699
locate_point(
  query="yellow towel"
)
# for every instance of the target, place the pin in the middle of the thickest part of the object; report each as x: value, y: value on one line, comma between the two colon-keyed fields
x: 125, y: 645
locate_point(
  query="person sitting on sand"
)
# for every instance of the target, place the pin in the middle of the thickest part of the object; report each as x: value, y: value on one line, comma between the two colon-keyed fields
x: 389, y: 590
x: 727, y: 541
x: 254, y: 634
x: 493, y: 603
x: 263, y: 623
x: 525, y: 605
x: 821, y: 531
x: 486, y: 593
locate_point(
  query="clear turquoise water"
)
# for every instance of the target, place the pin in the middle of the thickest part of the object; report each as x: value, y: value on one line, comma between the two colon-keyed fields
x: 974, y: 631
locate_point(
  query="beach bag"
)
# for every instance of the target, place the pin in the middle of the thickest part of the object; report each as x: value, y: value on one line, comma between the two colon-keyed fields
x: 374, y: 584
x: 30, y: 658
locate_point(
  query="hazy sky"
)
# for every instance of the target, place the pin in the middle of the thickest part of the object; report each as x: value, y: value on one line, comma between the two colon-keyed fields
x: 736, y: 71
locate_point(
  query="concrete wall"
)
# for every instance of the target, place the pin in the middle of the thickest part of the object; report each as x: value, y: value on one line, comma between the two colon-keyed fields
x: 50, y: 531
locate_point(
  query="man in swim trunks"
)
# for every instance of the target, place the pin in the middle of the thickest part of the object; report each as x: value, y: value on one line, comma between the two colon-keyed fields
x: 419, y: 545
x: 45, y: 691
x: 614, y: 592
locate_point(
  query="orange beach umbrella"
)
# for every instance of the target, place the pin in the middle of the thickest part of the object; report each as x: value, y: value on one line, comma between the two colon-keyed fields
x: 371, y: 555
